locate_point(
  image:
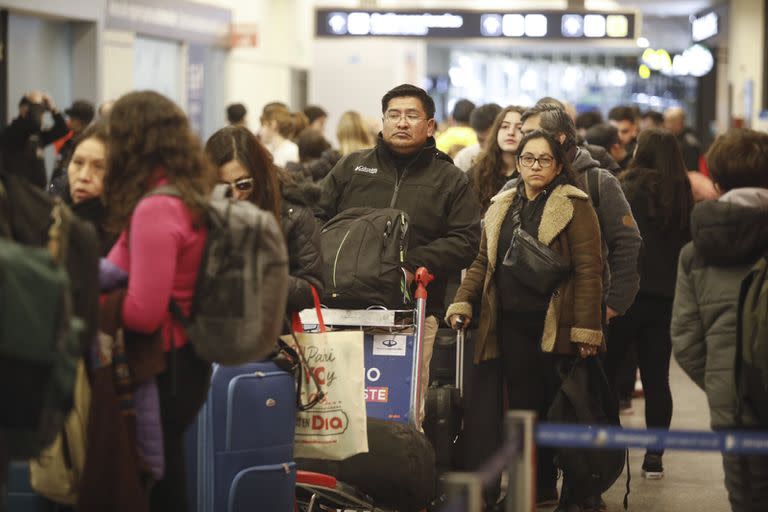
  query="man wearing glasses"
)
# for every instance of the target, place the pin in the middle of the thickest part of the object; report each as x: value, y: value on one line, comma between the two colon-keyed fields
x: 407, y: 172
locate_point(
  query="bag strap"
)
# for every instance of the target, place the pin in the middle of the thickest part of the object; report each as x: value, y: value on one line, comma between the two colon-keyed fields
x: 593, y: 186
x: 297, y: 326
x: 5, y: 213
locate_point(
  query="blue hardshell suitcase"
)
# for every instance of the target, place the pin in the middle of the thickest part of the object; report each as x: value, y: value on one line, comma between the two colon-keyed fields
x: 240, y: 450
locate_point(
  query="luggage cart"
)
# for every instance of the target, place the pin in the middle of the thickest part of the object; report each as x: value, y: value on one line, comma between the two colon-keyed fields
x: 393, y: 367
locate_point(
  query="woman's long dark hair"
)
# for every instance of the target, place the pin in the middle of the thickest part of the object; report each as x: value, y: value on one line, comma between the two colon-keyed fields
x: 150, y: 137
x: 238, y: 143
x: 487, y: 171
x: 658, y: 168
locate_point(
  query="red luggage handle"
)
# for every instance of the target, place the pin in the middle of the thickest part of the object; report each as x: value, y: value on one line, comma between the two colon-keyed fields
x: 296, y: 319
x: 423, y: 278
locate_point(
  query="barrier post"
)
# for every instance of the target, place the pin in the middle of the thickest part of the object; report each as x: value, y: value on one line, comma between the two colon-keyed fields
x: 521, y: 495
x: 464, y: 492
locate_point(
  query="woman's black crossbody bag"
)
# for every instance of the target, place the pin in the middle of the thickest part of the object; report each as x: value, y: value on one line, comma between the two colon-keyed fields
x: 534, y: 264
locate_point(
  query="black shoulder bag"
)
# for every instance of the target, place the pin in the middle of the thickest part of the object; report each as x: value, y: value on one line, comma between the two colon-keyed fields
x: 533, y: 263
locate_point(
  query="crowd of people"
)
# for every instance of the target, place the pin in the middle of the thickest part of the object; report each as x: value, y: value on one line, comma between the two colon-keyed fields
x: 646, y: 235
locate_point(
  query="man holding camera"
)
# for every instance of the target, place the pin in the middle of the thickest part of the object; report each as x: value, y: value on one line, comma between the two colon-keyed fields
x: 22, y: 142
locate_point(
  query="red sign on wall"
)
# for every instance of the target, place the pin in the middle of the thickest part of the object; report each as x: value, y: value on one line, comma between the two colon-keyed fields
x: 244, y: 35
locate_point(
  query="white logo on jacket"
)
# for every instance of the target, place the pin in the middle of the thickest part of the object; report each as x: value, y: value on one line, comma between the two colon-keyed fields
x: 367, y: 170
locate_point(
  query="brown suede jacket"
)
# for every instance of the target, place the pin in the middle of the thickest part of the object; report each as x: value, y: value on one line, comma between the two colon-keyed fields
x: 569, y: 226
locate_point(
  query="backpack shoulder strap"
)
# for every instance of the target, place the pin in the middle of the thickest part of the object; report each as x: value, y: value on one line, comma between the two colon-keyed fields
x: 593, y: 186
x: 5, y: 213
x: 58, y: 233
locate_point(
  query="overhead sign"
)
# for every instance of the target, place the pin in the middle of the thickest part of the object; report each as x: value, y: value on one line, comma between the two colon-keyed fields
x: 174, y: 19
x: 704, y: 27
x: 476, y: 24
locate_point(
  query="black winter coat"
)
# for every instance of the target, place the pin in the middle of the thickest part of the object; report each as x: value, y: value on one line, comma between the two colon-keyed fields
x: 442, y: 207
x: 302, y: 236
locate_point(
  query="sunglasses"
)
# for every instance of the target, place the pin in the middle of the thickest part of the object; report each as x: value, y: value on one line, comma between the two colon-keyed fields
x: 243, y: 184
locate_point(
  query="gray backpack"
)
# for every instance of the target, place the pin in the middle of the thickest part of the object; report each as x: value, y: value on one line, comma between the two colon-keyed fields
x: 242, y: 285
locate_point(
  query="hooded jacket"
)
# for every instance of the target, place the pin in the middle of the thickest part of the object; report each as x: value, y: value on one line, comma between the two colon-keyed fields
x: 621, y: 237
x: 443, y: 210
x: 302, y: 236
x: 569, y: 226
x: 729, y: 235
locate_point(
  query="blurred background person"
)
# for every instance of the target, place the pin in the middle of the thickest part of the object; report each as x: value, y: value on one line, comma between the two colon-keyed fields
x: 317, y: 117
x: 606, y: 136
x: 278, y: 126
x: 497, y: 164
x: 587, y: 120
x: 353, y: 134
x: 105, y: 108
x: 481, y: 120
x: 651, y: 119
x: 674, y: 121
x: 236, y: 113
x: 22, y: 142
x: 624, y: 118
x: 247, y: 168
x: 316, y: 157
x: 459, y: 133
x: 657, y: 188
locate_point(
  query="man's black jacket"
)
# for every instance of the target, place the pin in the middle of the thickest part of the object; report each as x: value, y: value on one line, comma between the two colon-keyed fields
x: 444, y: 213
x: 21, y: 143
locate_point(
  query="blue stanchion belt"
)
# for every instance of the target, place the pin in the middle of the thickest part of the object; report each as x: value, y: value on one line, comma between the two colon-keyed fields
x: 583, y: 436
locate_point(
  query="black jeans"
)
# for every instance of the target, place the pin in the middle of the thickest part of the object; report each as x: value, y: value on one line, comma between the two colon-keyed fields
x: 646, y: 327
x: 531, y: 376
x: 180, y: 402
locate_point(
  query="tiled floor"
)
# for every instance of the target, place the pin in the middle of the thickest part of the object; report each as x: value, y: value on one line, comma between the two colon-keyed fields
x: 693, y: 481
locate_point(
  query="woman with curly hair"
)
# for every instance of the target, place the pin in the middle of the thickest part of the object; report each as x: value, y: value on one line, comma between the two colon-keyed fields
x: 160, y: 247
x: 497, y: 163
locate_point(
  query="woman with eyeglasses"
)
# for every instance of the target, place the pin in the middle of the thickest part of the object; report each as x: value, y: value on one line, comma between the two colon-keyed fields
x: 246, y: 167
x: 535, y: 334
x: 497, y: 163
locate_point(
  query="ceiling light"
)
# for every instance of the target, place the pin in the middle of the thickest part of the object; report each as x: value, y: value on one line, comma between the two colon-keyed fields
x: 642, y: 42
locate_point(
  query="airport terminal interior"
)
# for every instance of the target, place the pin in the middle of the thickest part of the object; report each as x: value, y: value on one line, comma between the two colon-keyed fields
x: 307, y: 255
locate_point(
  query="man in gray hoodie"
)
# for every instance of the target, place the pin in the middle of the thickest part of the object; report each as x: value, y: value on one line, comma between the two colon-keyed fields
x: 621, y: 237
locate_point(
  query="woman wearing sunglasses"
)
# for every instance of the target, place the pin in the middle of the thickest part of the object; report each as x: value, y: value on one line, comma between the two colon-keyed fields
x: 537, y: 333
x: 246, y: 166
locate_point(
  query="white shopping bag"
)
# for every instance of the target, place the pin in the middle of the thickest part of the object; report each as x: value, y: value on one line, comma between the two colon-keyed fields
x: 336, y: 427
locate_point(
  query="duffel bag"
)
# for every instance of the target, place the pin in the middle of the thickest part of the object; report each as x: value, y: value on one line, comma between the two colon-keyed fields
x: 398, y: 471
x: 363, y: 254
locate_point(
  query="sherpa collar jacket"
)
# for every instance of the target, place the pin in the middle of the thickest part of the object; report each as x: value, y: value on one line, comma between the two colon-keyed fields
x: 443, y: 210
x: 569, y: 226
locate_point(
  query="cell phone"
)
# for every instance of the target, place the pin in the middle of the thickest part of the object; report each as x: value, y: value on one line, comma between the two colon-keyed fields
x: 460, y: 321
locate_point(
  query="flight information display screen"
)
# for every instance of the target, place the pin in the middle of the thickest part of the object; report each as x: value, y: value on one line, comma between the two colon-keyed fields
x: 547, y: 25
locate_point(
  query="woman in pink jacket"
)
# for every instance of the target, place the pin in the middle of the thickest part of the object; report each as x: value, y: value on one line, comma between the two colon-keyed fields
x: 160, y: 247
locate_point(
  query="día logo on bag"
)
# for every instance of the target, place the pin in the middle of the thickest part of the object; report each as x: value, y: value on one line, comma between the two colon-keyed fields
x: 366, y: 170
x: 322, y: 423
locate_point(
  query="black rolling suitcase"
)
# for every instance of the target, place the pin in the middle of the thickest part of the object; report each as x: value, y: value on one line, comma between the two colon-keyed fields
x: 443, y: 409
